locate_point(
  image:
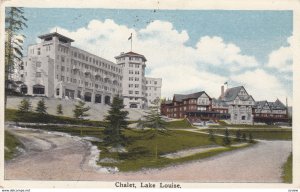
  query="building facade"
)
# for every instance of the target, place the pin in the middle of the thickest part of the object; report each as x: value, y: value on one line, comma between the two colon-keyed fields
x: 153, y: 90
x: 137, y: 90
x: 239, y: 104
x: 270, y: 112
x: 54, y: 68
x: 196, y: 107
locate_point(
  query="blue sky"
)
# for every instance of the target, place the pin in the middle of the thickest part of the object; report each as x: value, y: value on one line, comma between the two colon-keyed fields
x: 234, y: 46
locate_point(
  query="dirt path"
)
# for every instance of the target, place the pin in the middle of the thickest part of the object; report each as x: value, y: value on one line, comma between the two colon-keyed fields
x: 59, y: 157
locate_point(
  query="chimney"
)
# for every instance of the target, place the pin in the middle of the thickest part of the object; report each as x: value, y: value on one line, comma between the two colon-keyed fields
x: 222, y: 92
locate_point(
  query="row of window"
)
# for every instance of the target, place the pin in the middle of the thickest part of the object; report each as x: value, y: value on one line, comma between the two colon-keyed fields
x: 150, y: 82
x: 130, y: 92
x: 96, y: 69
x: 135, y: 85
x: 135, y: 78
x: 135, y: 72
x: 134, y: 65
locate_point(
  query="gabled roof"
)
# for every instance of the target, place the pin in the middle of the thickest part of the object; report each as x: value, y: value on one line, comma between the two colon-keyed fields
x: 130, y: 53
x: 231, y: 93
x: 273, y: 105
x: 180, y: 97
x: 219, y: 102
x: 277, y: 105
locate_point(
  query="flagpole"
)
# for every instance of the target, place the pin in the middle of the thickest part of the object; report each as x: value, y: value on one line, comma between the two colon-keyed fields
x: 131, y: 43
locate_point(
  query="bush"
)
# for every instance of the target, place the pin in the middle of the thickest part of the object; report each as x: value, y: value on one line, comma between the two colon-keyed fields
x: 226, y: 139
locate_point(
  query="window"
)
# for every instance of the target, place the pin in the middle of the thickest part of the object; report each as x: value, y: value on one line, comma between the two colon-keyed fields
x: 38, y: 64
x: 130, y: 85
x: 136, y: 92
x: 155, y: 82
x: 130, y: 92
x: 136, y: 65
x: 38, y: 74
x: 130, y: 78
x: 136, y: 85
x: 57, y: 91
x: 137, y: 72
x: 39, y: 51
x: 62, y: 78
x: 136, y: 79
x: 62, y: 59
x: 130, y: 71
x: 62, y: 68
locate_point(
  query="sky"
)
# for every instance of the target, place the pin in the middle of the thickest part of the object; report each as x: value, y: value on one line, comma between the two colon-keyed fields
x: 191, y: 50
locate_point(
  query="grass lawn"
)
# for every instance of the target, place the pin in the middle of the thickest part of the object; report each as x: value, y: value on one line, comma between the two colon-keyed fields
x: 142, y: 149
x: 141, y: 146
x: 178, y: 124
x: 288, y: 170
x: 259, y: 133
x: 11, y: 143
x: 33, y: 117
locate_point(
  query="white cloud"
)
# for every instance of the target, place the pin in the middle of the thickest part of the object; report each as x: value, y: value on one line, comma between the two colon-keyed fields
x: 214, y: 50
x: 181, y: 67
x: 282, y: 58
x: 262, y: 85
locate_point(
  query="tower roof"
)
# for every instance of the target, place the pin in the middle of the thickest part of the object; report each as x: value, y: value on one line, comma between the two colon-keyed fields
x: 55, y: 34
x: 133, y: 54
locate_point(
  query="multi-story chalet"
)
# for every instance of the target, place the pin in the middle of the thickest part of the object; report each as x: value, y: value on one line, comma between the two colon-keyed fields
x: 54, y: 68
x: 239, y: 104
x: 195, y: 106
x: 137, y: 93
x: 269, y: 112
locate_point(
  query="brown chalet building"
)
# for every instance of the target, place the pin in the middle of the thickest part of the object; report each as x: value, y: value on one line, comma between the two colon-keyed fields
x: 270, y: 112
x: 195, y: 107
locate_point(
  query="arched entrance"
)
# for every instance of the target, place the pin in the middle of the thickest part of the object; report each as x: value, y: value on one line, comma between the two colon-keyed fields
x: 107, y: 100
x: 38, y: 89
x: 133, y: 105
x: 97, y: 98
x: 23, y: 89
x: 88, y: 96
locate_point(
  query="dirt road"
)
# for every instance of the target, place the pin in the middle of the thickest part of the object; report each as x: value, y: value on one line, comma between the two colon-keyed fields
x: 61, y: 157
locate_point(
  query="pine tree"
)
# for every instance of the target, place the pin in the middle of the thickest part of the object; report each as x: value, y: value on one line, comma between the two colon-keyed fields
x: 14, y: 23
x: 80, y: 110
x: 153, y: 120
x: 116, y: 122
x: 41, y: 107
x: 238, y: 136
x: 251, y: 138
x: 244, y: 137
x: 59, y: 110
x: 25, y: 106
x: 23, y: 109
x: 212, y: 136
x: 226, y: 139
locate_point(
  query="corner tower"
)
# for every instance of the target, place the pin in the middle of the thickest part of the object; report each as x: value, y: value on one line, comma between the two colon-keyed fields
x: 134, y: 81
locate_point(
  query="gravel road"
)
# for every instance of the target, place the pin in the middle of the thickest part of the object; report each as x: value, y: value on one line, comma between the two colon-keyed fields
x: 61, y: 157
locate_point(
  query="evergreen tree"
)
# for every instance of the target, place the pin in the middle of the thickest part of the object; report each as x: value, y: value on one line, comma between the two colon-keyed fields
x: 25, y: 106
x: 212, y: 136
x: 226, y: 139
x: 59, y: 110
x: 238, y: 136
x: 41, y: 107
x: 14, y: 24
x: 23, y: 109
x: 244, y: 137
x: 153, y: 120
x: 116, y: 122
x: 251, y: 138
x: 80, y: 110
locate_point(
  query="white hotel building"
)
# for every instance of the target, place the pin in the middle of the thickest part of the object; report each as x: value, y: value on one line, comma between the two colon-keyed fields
x: 54, y: 68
